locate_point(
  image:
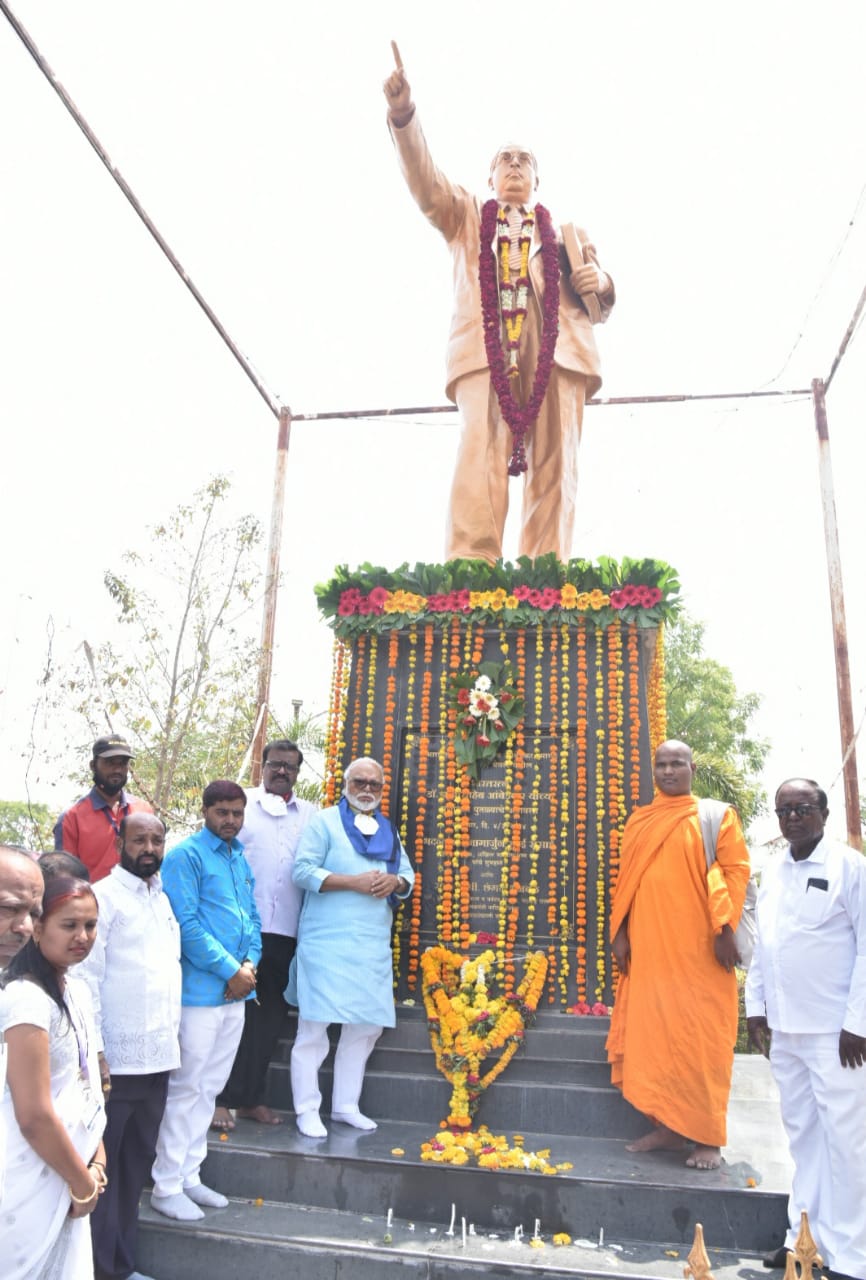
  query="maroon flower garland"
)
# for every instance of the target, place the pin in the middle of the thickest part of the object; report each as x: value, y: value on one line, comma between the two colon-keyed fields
x: 520, y: 419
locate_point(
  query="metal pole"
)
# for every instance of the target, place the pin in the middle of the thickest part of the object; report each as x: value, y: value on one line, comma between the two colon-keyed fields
x: 272, y: 582
x: 243, y: 360
x: 837, y: 610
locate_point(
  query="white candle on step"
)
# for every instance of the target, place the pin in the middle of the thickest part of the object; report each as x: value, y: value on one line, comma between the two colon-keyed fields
x: 450, y: 1230
x: 600, y: 1237
x: 463, y: 1227
x: 390, y: 1219
x: 537, y: 1225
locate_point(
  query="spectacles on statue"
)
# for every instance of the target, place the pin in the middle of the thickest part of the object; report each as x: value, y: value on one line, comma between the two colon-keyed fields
x: 801, y: 810
x: 365, y: 784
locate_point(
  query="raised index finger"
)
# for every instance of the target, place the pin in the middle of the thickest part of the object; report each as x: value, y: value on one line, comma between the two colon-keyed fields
x: 398, y: 61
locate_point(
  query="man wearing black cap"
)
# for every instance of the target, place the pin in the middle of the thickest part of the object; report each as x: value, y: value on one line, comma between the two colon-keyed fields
x: 89, y: 827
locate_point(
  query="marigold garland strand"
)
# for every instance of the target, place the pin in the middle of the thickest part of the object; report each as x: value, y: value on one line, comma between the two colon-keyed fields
x: 444, y: 807
x: 422, y: 790
x: 340, y: 661
x: 409, y: 740
x: 360, y: 674
x: 372, y: 665
x: 566, y: 924
x: 390, y: 708
x: 514, y: 871
x: 535, y: 788
x: 582, y: 824
x: 656, y: 699
x: 600, y: 847
x: 553, y: 831
x: 633, y: 717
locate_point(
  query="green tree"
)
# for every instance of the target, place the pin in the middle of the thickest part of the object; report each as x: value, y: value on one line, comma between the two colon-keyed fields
x: 180, y: 678
x: 705, y: 710
x: 26, y: 824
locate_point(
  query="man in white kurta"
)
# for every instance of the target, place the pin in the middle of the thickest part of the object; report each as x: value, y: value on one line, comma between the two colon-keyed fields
x: 806, y: 997
x: 134, y: 977
x: 274, y: 820
x: 351, y: 864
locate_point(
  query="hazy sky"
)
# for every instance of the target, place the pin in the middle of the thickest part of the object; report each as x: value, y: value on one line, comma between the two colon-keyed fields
x: 717, y: 157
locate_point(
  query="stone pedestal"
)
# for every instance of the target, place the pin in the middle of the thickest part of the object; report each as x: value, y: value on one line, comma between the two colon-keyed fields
x: 525, y: 857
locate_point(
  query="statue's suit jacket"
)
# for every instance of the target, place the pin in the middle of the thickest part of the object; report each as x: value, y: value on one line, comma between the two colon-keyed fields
x: 457, y: 214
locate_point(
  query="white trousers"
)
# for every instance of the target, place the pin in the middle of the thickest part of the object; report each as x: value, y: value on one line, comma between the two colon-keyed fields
x: 311, y: 1049
x: 209, y: 1038
x: 824, y: 1113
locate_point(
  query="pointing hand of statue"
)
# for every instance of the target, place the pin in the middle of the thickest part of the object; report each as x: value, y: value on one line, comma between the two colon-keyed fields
x: 398, y: 92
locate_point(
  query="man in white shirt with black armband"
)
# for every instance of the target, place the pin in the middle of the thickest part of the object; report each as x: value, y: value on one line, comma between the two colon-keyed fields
x: 273, y: 821
x: 134, y: 976
x: 806, y: 1009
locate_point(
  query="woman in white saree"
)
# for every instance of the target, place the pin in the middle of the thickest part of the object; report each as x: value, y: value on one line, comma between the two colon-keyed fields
x: 52, y: 1103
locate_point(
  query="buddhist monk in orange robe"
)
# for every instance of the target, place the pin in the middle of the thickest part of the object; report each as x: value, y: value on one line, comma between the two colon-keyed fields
x: 674, y: 1023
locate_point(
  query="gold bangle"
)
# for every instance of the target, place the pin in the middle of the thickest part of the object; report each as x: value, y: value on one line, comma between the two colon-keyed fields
x: 94, y: 1193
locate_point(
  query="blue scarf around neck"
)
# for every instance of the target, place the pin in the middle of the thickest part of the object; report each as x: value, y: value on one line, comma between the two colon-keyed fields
x: 383, y: 845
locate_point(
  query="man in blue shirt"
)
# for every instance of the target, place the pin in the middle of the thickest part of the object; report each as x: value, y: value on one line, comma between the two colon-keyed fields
x: 210, y: 886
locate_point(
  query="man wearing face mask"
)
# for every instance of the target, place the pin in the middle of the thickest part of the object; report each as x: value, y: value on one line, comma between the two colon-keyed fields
x: 89, y: 827
x: 350, y: 862
x: 133, y: 973
x: 806, y: 1011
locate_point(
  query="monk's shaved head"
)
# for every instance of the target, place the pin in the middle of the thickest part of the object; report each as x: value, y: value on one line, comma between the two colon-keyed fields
x: 674, y: 768
x: 674, y: 744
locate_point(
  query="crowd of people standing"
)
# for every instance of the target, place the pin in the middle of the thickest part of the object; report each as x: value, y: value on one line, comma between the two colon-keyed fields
x: 182, y: 961
x: 142, y: 994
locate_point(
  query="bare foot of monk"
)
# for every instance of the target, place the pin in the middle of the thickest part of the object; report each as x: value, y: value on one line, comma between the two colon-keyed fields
x: 222, y: 1120
x: 261, y: 1114
x: 705, y: 1158
x: 659, y: 1139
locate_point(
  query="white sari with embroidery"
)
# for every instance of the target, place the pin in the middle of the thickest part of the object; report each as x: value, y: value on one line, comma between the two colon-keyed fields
x: 38, y: 1239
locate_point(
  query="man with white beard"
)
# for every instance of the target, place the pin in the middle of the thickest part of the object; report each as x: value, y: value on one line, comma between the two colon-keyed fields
x: 352, y: 865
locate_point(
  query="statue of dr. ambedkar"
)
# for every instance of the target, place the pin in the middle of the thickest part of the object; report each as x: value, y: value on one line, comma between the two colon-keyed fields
x: 521, y: 357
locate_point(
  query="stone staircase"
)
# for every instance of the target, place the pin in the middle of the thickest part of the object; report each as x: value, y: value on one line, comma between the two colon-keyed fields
x: 319, y: 1209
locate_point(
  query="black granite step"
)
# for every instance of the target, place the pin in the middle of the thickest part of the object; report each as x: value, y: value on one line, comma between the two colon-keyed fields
x: 249, y: 1241
x: 525, y: 1065
x: 652, y: 1198
x: 515, y: 1103
x: 553, y: 1035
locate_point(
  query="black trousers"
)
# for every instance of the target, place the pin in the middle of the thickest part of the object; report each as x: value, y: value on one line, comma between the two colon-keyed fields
x: 134, y: 1112
x: 263, y: 1023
